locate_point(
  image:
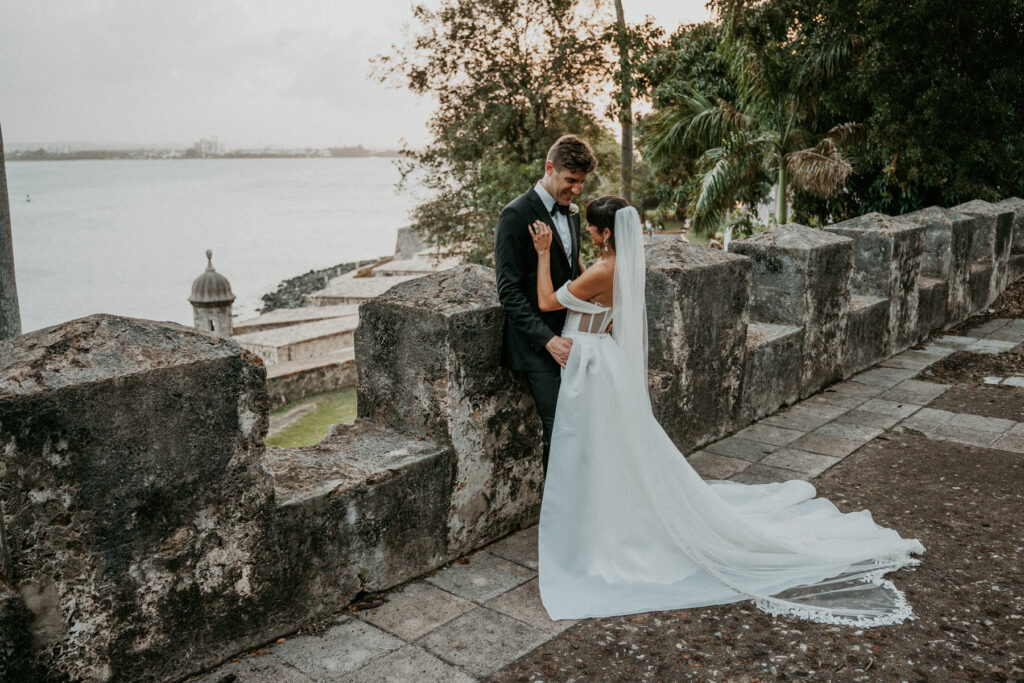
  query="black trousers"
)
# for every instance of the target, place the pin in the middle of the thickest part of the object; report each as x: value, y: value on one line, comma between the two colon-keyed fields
x: 544, y: 386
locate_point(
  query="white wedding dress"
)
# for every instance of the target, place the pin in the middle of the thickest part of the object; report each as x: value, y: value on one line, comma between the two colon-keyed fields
x: 628, y: 526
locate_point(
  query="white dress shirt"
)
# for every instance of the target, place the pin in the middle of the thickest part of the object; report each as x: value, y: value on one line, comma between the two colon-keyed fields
x: 560, y: 220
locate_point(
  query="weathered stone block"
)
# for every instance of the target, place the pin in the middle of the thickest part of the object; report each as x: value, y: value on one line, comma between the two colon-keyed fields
x: 867, y: 341
x: 135, y: 505
x: 801, y: 276
x: 429, y: 364
x: 771, y: 376
x: 992, y: 239
x: 697, y: 329
x: 887, y: 264
x: 1015, y: 204
x: 947, y: 255
x: 1015, y: 267
x: 931, y: 309
x: 980, y: 285
x: 365, y: 509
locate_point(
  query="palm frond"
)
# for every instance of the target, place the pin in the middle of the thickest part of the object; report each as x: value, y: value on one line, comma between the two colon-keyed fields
x: 847, y: 132
x: 821, y: 170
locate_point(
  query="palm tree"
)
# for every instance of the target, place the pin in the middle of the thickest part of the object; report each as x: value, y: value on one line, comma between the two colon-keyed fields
x: 758, y: 136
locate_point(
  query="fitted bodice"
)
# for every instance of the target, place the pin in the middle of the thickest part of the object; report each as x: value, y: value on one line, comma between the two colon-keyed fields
x: 587, y: 317
x: 590, y: 323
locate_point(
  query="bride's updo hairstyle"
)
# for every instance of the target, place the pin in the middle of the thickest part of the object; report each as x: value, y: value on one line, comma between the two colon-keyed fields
x: 601, y: 213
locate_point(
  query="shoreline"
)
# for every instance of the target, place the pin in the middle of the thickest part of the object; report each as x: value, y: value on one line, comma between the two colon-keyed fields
x: 291, y: 293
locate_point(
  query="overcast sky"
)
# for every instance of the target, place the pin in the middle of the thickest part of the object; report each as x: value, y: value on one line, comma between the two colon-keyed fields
x: 283, y: 73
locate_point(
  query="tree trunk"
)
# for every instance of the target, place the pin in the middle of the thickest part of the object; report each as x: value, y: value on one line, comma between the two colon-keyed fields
x: 10, y: 315
x: 781, y: 210
x: 626, y: 110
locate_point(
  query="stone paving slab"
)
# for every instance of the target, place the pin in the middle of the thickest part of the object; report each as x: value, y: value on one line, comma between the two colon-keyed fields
x: 868, y: 419
x: 991, y: 346
x: 1010, y: 442
x: 915, y: 392
x: 834, y: 398
x: 851, y: 388
x: 524, y: 604
x: 911, y: 360
x: 344, y: 649
x: 711, y: 466
x: 805, y: 417
x: 520, y: 547
x: 413, y: 664
x: 884, y: 377
x: 415, y: 610
x: 257, y: 669
x: 743, y: 449
x: 954, y: 340
x: 801, y: 462
x: 824, y: 444
x: 878, y: 405
x: 977, y: 422
x: 766, y: 433
x: 482, y: 641
x: 852, y: 432
x: 486, y: 576
x: 936, y: 432
x: 759, y: 473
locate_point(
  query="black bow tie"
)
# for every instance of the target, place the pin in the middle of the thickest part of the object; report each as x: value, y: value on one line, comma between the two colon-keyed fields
x: 560, y: 208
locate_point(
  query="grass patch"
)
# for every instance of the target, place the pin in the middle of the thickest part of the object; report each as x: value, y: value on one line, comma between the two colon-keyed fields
x: 331, y: 407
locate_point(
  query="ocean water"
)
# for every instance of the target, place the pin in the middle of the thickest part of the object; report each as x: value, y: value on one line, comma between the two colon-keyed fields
x: 128, y: 237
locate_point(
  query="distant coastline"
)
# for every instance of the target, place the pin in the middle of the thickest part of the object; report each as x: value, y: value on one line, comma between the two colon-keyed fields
x: 42, y: 154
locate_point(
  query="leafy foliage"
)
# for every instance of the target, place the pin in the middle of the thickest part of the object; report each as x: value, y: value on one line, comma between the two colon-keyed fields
x: 939, y: 88
x: 509, y: 77
x: 757, y: 133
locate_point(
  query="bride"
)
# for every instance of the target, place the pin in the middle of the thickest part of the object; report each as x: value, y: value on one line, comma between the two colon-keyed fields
x: 628, y: 526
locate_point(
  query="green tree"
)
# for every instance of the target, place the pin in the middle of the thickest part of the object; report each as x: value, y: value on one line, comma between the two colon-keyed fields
x: 762, y: 130
x: 939, y: 91
x: 687, y: 61
x: 509, y: 77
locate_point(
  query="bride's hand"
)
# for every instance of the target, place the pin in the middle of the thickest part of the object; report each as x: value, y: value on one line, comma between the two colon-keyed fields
x: 541, y: 234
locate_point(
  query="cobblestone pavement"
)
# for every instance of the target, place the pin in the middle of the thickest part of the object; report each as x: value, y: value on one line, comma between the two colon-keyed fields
x: 477, y: 616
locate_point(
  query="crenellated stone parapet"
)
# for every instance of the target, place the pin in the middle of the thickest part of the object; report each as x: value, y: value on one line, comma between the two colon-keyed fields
x: 429, y: 362
x: 887, y: 264
x: 146, y: 533
x: 801, y: 277
x: 697, y: 328
x: 948, y: 237
x: 992, y: 240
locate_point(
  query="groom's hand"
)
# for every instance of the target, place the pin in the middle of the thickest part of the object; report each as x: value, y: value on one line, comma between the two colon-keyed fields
x: 559, y: 348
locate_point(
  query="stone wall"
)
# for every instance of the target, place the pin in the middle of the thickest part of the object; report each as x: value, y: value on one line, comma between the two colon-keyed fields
x: 146, y: 533
x: 291, y: 381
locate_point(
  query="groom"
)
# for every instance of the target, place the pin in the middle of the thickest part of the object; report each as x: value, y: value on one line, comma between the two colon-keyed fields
x: 532, y: 343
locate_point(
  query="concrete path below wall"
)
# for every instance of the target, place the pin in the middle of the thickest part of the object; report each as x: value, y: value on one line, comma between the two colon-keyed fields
x: 481, y: 617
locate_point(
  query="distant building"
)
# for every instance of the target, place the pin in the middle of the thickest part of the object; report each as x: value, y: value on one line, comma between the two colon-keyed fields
x: 211, y: 301
x: 208, y: 147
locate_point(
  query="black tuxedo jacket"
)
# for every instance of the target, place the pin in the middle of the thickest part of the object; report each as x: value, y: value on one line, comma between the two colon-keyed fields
x: 527, y: 330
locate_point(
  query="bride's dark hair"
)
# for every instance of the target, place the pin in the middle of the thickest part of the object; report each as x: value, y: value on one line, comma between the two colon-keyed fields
x: 601, y: 213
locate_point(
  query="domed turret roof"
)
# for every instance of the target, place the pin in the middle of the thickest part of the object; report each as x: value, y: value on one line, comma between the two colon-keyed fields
x: 211, y: 287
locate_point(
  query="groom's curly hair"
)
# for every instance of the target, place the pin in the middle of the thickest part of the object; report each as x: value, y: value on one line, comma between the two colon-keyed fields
x: 572, y: 152
x: 601, y: 213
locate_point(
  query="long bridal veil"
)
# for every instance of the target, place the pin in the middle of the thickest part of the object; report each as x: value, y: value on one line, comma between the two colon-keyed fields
x: 675, y: 540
